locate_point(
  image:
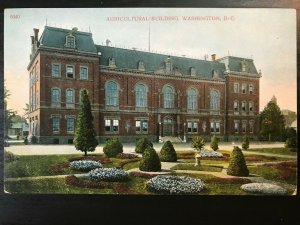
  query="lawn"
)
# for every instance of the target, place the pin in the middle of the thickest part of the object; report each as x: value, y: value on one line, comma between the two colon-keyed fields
x: 49, y: 186
x: 279, y: 151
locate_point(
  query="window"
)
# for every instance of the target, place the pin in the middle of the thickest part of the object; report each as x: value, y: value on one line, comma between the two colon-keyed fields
x: 250, y: 106
x: 236, y: 106
x: 55, y: 124
x: 141, y: 126
x: 55, y: 98
x: 250, y: 89
x: 215, y: 127
x: 141, y: 66
x: 83, y: 73
x: 55, y: 70
x: 192, y: 127
x: 244, y: 106
x: 192, y: 99
x: 251, y: 127
x: 214, y: 100
x: 70, y: 101
x: 168, y: 97
x: 243, y: 64
x: 70, y: 124
x: 36, y: 99
x: 70, y: 41
x: 244, y: 88
x: 112, y: 125
x: 111, y: 93
x: 244, y: 126
x: 168, y: 67
x: 112, y: 62
x: 236, y: 127
x: 193, y: 72
x: 140, y: 95
x: 70, y: 71
x: 236, y: 87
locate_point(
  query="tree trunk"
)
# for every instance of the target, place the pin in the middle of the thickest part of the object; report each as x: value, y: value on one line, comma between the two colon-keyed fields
x: 85, y: 152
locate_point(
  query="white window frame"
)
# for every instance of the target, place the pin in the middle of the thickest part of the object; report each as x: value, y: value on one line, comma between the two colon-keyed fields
x: 111, y: 98
x: 58, y: 102
x: 141, y: 96
x: 73, y: 67
x: 244, y: 107
x: 59, y: 69
x: 168, y: 97
x: 55, y: 129
x: 113, y: 125
x: 236, y: 87
x: 192, y: 127
x: 214, y: 125
x: 244, y: 88
x: 81, y: 75
x: 236, y: 127
x: 251, y: 89
x: 244, y: 127
x: 214, y: 101
x: 70, y: 131
x: 140, y: 128
x: 68, y: 37
x: 70, y: 104
x: 192, y: 100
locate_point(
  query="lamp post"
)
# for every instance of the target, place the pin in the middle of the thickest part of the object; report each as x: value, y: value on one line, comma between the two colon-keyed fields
x: 184, y: 133
x: 159, y: 138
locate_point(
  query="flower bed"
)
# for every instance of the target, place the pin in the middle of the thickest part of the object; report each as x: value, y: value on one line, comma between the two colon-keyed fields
x: 264, y: 188
x: 172, y: 184
x: 59, y: 168
x: 235, y: 180
x: 126, y: 156
x: 98, y: 158
x: 108, y: 174
x: 85, y: 165
x: 210, y: 154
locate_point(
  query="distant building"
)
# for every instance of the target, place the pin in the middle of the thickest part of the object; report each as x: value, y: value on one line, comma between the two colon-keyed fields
x: 18, y: 129
x: 135, y: 93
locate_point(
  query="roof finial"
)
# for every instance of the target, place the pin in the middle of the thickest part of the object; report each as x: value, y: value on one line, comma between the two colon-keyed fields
x: 46, y: 20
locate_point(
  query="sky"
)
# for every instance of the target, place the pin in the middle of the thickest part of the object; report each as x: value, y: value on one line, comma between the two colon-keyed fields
x: 268, y: 36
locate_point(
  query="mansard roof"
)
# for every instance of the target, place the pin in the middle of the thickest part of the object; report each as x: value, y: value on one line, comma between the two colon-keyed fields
x: 233, y: 63
x: 126, y: 58
x: 56, y: 38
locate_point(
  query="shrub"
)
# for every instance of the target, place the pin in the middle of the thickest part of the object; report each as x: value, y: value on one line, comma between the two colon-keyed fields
x: 112, y: 147
x: 172, y: 184
x: 142, y: 144
x: 150, y: 161
x: 291, y: 142
x: 237, y: 165
x: 9, y: 156
x: 108, y: 174
x: 214, y: 143
x: 245, y: 144
x: 85, y: 165
x: 34, y: 140
x: 198, y: 143
x: 168, y: 153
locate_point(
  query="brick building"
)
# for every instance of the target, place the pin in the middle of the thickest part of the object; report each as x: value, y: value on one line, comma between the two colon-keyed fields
x: 135, y: 93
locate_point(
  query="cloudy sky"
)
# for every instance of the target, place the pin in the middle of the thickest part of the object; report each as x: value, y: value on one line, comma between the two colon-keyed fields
x: 268, y: 36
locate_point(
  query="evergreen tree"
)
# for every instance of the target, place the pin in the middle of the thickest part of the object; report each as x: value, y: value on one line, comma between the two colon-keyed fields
x: 245, y: 144
x: 168, y: 153
x: 214, y: 143
x: 85, y: 135
x: 237, y: 164
x: 272, y: 122
x: 198, y: 143
x: 150, y: 161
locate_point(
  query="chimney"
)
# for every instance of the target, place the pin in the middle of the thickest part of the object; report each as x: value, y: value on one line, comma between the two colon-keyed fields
x: 213, y: 57
x: 36, y: 34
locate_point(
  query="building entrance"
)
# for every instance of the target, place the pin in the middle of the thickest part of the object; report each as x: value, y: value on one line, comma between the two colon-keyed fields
x: 168, y: 127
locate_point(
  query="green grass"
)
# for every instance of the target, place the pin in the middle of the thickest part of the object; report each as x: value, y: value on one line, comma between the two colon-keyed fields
x: 131, y: 165
x: 49, y: 186
x: 190, y: 166
x: 37, y: 165
x: 279, y: 151
x: 138, y: 184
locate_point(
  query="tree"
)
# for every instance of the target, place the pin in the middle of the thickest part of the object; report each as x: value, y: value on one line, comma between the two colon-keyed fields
x: 26, y: 111
x: 245, y: 144
x: 8, y: 113
x: 289, y: 117
x: 85, y: 135
x: 237, y: 164
x: 150, y: 161
x: 198, y: 143
x: 272, y: 122
x: 168, y: 153
x: 214, y: 143
x: 142, y: 144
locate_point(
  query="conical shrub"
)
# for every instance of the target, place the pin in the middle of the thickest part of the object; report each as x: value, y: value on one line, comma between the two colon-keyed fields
x: 150, y: 161
x: 237, y: 165
x: 168, y: 153
x: 142, y: 144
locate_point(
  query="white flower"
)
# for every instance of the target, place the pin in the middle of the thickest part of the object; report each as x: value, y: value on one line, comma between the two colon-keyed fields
x: 264, y: 188
x: 85, y: 165
x: 209, y: 153
x: 108, y: 174
x: 173, y: 184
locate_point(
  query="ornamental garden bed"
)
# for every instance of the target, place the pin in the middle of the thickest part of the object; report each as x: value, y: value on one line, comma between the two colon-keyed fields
x: 190, y: 166
x: 264, y: 188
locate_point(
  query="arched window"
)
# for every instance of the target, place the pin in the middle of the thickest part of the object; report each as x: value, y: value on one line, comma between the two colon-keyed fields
x: 140, y: 95
x: 111, y: 93
x: 55, y: 97
x: 168, y: 97
x: 214, y: 100
x: 192, y: 99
